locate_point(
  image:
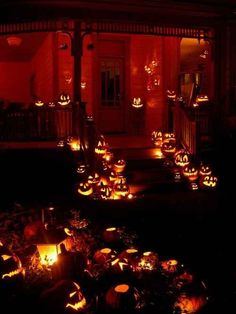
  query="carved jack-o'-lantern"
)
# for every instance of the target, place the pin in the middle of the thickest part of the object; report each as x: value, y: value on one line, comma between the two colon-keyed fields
x: 182, y: 159
x: 171, y: 94
x: 119, y: 165
x: 93, y: 178
x: 148, y: 261
x: 205, y: 170
x: 85, y: 188
x: 157, y: 138
x: 208, y: 182
x: 121, y: 297
x: 11, y: 270
x: 170, y: 266
x: 202, y: 98
x: 104, y: 255
x: 190, y: 172
x: 168, y: 148
x: 101, y: 146
x: 81, y: 168
x: 64, y: 99
x: 121, y: 188
x: 105, y: 191
x: 169, y: 137
x: 130, y: 256
x: 65, y: 296
x: 111, y: 234
x: 39, y: 103
x: 108, y: 156
x: 189, y: 304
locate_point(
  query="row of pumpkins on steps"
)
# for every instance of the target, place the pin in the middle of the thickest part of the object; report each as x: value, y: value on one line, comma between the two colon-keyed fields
x: 181, y: 162
x: 107, y: 180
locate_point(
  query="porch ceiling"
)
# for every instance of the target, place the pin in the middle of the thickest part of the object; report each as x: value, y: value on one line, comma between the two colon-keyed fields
x: 163, y: 11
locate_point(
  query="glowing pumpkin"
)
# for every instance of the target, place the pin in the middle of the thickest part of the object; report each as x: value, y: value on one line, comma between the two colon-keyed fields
x: 121, y: 188
x: 121, y: 297
x: 93, y: 178
x: 148, y: 261
x: 130, y: 256
x: 111, y: 234
x: 119, y: 165
x: 168, y: 148
x: 205, y: 170
x: 85, y: 188
x: 170, y: 266
x: 169, y: 137
x: 189, y: 304
x: 182, y: 159
x: 208, y: 182
x: 11, y: 270
x: 105, y: 191
x: 81, y: 168
x: 64, y: 99
x: 101, y: 146
x: 190, y: 172
x: 39, y: 103
x: 103, y: 256
x: 157, y: 138
x: 171, y: 94
x: 65, y: 296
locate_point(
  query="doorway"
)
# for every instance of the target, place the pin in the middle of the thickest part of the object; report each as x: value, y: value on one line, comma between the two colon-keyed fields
x: 111, y: 114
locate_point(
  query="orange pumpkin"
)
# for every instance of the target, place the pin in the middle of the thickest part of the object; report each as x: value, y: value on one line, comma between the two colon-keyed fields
x: 190, y: 172
x: 189, y: 304
x: 85, y: 188
x: 119, y: 165
x: 208, y: 182
x: 111, y: 234
x: 182, y: 158
x: 103, y: 256
x: 121, y: 297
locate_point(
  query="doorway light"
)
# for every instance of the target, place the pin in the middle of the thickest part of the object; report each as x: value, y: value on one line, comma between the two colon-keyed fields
x: 14, y: 41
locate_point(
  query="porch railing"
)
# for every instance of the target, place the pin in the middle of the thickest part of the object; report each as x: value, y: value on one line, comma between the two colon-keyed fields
x: 194, y: 127
x: 35, y: 124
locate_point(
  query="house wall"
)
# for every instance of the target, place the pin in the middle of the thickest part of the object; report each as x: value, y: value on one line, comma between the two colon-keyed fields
x: 42, y: 71
x: 14, y: 82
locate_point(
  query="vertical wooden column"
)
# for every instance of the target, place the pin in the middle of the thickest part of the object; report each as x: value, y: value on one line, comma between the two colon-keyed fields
x: 77, y: 54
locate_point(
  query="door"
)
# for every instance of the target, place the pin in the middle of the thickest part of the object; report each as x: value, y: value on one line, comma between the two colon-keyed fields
x: 111, y: 96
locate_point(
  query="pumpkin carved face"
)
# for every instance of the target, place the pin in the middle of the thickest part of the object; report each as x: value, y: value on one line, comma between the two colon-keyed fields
x: 168, y: 148
x: 104, y: 255
x: 190, y: 172
x: 101, y: 147
x: 119, y: 165
x: 148, y: 261
x: 76, y: 300
x: 205, y: 170
x: 182, y: 159
x: 208, y: 181
x: 85, y: 188
x: 105, y: 191
x: 157, y: 138
x: 64, y: 99
x: 120, y: 187
x: 65, y: 296
x: 11, y: 269
x: 39, y: 103
x: 170, y: 266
